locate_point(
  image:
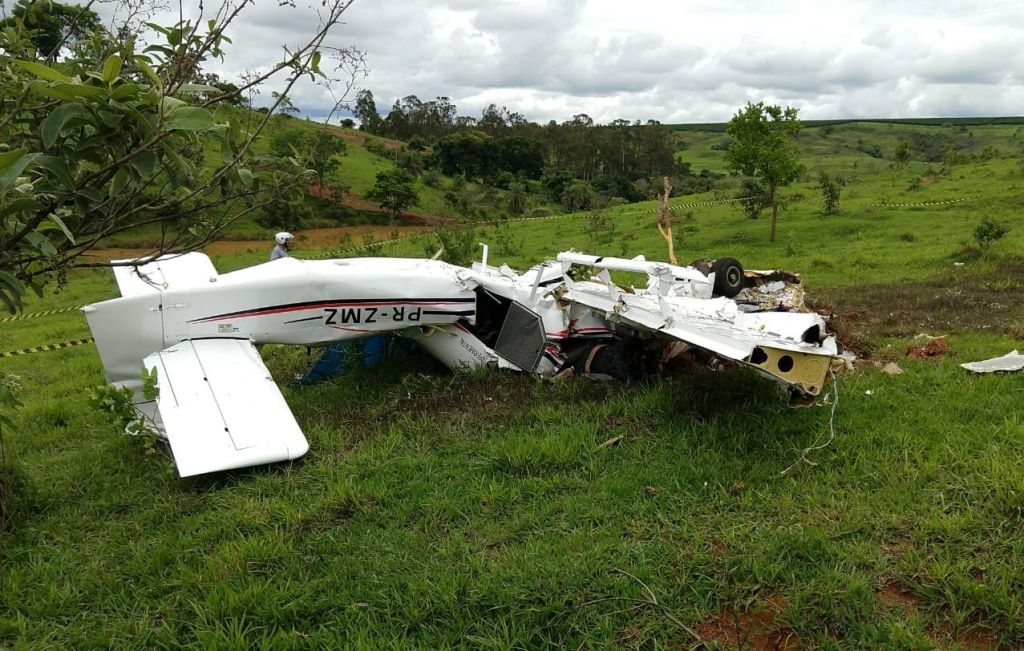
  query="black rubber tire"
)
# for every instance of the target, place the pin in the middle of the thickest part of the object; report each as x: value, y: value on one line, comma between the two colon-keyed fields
x: 728, y: 277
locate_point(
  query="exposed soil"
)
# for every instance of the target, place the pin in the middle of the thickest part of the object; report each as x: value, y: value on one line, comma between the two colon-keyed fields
x: 935, y: 347
x: 353, y: 137
x: 894, y: 598
x: 759, y: 628
x: 959, y: 300
x: 354, y: 200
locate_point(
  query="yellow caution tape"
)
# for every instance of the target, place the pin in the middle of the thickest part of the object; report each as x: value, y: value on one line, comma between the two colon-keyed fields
x: 32, y: 315
x: 47, y: 347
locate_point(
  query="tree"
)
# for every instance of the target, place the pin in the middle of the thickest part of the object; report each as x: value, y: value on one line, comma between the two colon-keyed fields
x: 752, y: 198
x: 365, y: 110
x: 763, y: 146
x: 393, y: 190
x: 319, y: 152
x: 831, y: 187
x: 901, y: 153
x: 51, y: 25
x: 578, y: 195
x: 112, y: 139
x: 520, y: 156
x: 472, y: 153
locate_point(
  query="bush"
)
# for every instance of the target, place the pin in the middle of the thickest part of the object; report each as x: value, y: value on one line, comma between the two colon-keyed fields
x: 830, y: 187
x: 432, y: 179
x: 869, y: 148
x: 377, y: 148
x: 459, y: 242
x: 988, y: 232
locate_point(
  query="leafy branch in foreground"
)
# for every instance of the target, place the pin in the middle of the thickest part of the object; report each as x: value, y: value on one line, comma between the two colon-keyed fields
x: 118, y: 403
x: 117, y: 137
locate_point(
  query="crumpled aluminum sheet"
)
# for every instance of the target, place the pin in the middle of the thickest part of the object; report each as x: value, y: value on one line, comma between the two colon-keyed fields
x: 772, y: 291
x: 1008, y: 363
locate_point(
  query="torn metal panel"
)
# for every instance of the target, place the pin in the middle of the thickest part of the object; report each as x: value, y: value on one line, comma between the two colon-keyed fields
x: 1008, y: 363
x: 771, y: 291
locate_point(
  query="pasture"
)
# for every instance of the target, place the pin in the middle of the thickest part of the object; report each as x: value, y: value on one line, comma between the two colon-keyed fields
x: 438, y: 510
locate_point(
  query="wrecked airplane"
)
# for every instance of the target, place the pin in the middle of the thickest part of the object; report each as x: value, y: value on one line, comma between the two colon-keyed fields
x: 219, y: 408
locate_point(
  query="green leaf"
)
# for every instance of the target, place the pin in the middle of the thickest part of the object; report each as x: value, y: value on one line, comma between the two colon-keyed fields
x: 55, y: 121
x: 189, y: 118
x: 9, y: 158
x: 144, y: 163
x: 24, y: 204
x: 245, y: 176
x: 42, y: 71
x: 198, y: 88
x: 81, y: 90
x: 41, y: 243
x: 110, y: 118
x: 92, y: 194
x: 148, y: 70
x: 63, y: 227
x: 124, y: 91
x: 12, y: 283
x: 111, y: 68
x: 179, y: 166
x: 10, y: 302
x: 14, y: 170
x: 59, y: 169
x: 170, y: 104
x: 43, y: 89
x: 120, y: 180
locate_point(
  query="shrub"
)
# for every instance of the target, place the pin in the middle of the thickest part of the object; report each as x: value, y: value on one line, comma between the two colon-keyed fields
x: 830, y: 187
x: 377, y: 148
x: 431, y: 178
x: 988, y: 232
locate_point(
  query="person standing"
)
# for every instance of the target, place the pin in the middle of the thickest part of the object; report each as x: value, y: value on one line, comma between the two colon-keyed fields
x: 280, y: 249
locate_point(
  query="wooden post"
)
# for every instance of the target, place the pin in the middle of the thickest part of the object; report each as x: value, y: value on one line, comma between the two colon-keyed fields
x: 665, y: 220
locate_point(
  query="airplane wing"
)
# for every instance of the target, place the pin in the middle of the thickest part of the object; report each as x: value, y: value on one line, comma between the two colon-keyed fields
x: 786, y: 346
x: 221, y: 409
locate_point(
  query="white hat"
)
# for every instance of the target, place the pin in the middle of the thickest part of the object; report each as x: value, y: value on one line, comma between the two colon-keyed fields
x: 283, y: 237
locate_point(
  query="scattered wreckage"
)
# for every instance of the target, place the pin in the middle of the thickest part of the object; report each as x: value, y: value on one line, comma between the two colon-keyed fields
x: 220, y: 409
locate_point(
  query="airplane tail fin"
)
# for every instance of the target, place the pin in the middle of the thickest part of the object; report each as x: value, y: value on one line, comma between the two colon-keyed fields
x: 154, y: 275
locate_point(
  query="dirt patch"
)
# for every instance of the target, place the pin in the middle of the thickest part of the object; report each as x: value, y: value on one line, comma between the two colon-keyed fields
x: 358, y: 202
x: 934, y: 347
x: 356, y: 138
x: 759, y: 628
x: 958, y: 300
x: 894, y: 598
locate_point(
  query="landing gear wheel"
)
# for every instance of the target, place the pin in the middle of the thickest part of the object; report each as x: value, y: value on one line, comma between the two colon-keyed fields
x: 728, y: 276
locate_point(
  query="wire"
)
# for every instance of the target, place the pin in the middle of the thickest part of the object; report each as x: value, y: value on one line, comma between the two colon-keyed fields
x: 834, y: 394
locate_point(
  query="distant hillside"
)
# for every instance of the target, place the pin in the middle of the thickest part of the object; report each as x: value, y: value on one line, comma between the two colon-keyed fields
x: 720, y: 126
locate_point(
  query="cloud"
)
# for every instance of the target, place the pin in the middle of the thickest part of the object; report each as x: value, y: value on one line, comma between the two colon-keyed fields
x: 674, y: 62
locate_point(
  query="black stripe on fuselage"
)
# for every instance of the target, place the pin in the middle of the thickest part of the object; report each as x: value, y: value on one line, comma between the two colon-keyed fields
x: 340, y: 302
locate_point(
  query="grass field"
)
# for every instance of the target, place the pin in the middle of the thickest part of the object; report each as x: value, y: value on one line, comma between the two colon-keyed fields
x: 437, y: 510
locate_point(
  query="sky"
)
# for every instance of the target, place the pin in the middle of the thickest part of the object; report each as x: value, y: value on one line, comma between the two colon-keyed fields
x: 685, y: 61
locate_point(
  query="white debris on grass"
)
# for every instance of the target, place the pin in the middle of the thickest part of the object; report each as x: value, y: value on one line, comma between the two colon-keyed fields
x: 1010, y: 362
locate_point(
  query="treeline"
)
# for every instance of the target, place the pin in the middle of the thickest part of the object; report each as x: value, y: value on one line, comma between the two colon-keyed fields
x: 590, y: 161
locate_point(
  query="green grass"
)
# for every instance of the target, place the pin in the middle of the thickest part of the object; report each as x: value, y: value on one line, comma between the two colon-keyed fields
x: 438, y: 510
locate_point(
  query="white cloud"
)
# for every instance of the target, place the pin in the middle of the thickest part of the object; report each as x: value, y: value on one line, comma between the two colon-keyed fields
x: 692, y: 61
